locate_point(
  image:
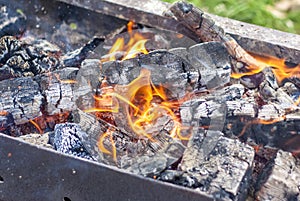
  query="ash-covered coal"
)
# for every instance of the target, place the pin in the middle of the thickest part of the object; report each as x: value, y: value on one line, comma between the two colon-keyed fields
x: 67, y: 139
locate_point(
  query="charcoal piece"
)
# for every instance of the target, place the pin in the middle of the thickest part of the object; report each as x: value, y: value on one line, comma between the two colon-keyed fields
x: 180, y: 51
x: 21, y: 98
x: 280, y: 179
x: 179, y: 178
x: 158, y: 156
x: 241, y: 108
x: 75, y: 58
x: 253, y: 81
x: 87, y: 83
x: 67, y: 140
x: 27, y: 58
x: 167, y: 69
x: 12, y: 22
x: 212, y: 60
x: 201, y: 112
x: 271, y: 112
x: 278, y: 96
x: 57, y: 89
x: 291, y: 89
x: 223, y: 169
x: 95, y: 129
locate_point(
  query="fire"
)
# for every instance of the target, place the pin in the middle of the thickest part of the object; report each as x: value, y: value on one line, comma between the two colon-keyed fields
x: 135, y: 45
x: 36, y: 126
x: 261, y: 121
x: 142, y: 104
x: 103, y: 149
x: 279, y: 67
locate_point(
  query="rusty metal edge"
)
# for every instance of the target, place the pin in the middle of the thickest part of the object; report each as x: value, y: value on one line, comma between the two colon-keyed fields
x: 251, y: 37
x: 30, y: 172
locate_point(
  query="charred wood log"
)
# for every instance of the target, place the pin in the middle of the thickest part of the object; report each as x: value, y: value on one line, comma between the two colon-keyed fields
x: 21, y: 100
x: 27, y: 98
x: 140, y: 156
x: 174, y: 72
x: 206, y: 29
x: 75, y: 58
x: 221, y: 166
x: 27, y: 58
x: 280, y: 179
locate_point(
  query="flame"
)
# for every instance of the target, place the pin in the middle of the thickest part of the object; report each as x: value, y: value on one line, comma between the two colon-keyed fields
x: 279, y: 67
x: 135, y: 45
x: 103, y: 149
x: 142, y: 103
x: 261, y: 121
x: 3, y: 113
x: 36, y: 126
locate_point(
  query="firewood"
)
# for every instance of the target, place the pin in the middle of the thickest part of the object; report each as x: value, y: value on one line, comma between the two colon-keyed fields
x: 27, y: 58
x: 64, y: 90
x: 199, y: 22
x: 221, y: 166
x: 21, y: 98
x: 280, y: 179
x: 141, y: 156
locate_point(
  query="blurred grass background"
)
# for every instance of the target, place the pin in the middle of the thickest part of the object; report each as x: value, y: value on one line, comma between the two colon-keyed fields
x: 277, y: 14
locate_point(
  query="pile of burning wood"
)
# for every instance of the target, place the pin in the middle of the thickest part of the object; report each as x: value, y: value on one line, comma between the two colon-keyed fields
x: 209, y: 116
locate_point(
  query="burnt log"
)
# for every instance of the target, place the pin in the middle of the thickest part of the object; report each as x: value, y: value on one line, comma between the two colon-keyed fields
x: 26, y: 98
x: 280, y: 179
x: 27, y: 58
x: 21, y: 100
x: 221, y: 166
x: 141, y: 156
x: 212, y: 60
x: 176, y: 74
x: 206, y: 29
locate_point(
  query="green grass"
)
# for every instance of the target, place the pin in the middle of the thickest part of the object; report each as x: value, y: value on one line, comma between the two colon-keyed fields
x: 251, y: 11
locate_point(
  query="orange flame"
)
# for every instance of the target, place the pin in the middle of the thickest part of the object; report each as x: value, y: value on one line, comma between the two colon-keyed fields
x: 36, y: 126
x: 103, y: 149
x: 261, y: 121
x: 3, y: 113
x: 279, y: 67
x: 142, y: 104
x: 135, y: 45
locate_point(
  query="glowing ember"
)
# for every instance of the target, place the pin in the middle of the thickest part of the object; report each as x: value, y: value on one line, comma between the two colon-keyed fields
x: 135, y: 45
x: 3, y: 113
x: 279, y: 67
